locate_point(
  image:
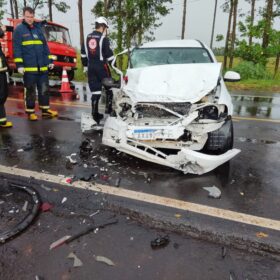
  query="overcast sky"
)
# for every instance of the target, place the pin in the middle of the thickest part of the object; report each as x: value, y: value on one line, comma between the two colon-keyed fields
x: 198, y: 21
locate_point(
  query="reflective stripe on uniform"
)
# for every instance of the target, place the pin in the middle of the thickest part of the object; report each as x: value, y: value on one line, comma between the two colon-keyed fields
x: 32, y: 42
x: 110, y: 58
x: 3, y: 119
x: 96, y: 92
x: 18, y: 59
x: 29, y: 110
x: 44, y: 107
x: 35, y: 69
x: 100, y: 47
x: 53, y: 57
x: 83, y: 55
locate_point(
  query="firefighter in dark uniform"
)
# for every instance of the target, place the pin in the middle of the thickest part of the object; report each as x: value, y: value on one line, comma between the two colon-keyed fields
x: 33, y: 59
x: 95, y: 59
x: 3, y: 83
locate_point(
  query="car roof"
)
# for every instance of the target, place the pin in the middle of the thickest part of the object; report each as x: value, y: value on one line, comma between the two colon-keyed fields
x: 173, y: 44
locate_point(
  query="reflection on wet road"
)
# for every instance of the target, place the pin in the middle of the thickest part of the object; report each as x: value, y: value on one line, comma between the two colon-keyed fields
x: 249, y: 184
x: 257, y: 106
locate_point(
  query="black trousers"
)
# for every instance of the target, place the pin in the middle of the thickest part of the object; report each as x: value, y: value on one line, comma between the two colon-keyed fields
x: 3, y: 96
x: 31, y: 82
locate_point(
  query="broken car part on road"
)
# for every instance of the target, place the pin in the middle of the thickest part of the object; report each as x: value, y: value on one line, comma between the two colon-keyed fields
x: 173, y: 108
x: 28, y: 219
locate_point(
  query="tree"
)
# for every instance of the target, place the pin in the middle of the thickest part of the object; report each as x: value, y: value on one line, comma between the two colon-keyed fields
x: 2, y: 4
x: 134, y: 19
x: 213, y: 25
x: 233, y: 33
x: 81, y: 22
x: 184, y: 19
x: 227, y: 7
x: 12, y: 9
x: 252, y: 18
x: 268, y: 19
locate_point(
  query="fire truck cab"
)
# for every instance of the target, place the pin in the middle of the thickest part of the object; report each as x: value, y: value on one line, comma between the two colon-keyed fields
x: 59, y: 42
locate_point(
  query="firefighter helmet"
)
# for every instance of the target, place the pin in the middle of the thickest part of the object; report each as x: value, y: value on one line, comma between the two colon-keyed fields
x: 102, y: 20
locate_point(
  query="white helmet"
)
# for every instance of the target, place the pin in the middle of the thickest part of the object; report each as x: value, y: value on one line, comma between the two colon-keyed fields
x: 102, y: 20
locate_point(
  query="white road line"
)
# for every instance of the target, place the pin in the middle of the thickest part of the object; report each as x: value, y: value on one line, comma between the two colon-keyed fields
x: 153, y: 199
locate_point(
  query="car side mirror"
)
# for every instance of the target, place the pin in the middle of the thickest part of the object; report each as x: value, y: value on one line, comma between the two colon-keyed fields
x: 111, y: 83
x: 231, y: 76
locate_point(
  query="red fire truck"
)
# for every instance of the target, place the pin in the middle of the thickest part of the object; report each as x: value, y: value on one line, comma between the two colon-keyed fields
x: 64, y: 55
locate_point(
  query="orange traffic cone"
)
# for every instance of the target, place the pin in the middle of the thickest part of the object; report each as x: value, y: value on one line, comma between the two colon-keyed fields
x: 65, y: 85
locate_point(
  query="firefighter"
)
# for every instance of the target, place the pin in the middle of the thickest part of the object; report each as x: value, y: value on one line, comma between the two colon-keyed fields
x: 3, y: 84
x: 95, y: 59
x: 33, y: 59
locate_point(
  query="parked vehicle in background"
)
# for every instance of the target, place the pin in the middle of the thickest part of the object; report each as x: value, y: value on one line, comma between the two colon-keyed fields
x: 173, y: 107
x: 59, y: 42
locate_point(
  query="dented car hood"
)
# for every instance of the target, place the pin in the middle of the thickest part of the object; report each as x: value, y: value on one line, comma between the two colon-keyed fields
x: 172, y: 83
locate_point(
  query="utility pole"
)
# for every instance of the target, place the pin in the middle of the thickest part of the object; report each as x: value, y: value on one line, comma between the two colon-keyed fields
x: 213, y: 26
x: 184, y: 19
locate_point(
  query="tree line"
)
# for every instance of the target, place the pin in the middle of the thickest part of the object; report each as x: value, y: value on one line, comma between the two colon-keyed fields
x: 251, y: 36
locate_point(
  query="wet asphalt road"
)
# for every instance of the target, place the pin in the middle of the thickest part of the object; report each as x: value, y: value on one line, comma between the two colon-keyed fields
x: 249, y: 184
x: 127, y: 244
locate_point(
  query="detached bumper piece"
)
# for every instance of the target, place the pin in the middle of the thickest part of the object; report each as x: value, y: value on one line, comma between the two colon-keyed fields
x: 186, y: 160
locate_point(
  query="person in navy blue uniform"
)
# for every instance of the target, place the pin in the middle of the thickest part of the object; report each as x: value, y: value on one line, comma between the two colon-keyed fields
x: 95, y: 58
x: 33, y: 59
x: 3, y: 82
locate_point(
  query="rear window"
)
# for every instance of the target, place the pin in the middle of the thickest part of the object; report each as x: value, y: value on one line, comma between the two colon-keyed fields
x: 144, y: 57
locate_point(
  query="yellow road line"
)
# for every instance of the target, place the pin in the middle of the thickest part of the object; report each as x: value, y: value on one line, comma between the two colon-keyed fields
x: 152, y: 199
x: 255, y: 119
x: 57, y: 103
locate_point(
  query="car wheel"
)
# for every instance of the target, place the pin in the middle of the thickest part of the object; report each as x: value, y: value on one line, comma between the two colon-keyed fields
x: 221, y: 140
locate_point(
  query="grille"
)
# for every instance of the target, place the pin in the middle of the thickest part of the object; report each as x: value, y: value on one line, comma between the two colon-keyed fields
x: 150, y: 111
x: 64, y: 58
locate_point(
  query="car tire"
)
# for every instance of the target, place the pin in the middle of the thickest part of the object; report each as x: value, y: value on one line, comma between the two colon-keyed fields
x: 221, y: 140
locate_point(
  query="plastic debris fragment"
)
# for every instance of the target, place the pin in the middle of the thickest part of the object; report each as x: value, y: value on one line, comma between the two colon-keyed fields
x: 160, y: 242
x: 46, y: 207
x: 59, y: 242
x: 104, y: 260
x: 77, y: 261
x: 213, y: 191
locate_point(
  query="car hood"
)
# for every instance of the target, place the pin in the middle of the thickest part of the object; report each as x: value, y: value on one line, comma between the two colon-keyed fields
x: 172, y: 83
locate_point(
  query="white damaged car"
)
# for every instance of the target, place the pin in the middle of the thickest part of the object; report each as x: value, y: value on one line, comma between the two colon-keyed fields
x: 173, y: 108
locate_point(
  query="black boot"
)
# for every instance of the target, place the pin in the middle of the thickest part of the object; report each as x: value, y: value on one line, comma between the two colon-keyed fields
x: 94, y: 105
x: 109, y: 102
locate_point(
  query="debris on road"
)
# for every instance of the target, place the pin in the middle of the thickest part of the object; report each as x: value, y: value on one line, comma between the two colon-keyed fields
x: 224, y: 252
x: 104, y: 260
x: 88, y: 230
x: 27, y: 147
x: 242, y: 193
x: 63, y: 200
x: 59, y: 242
x: 72, y: 159
x: 95, y: 213
x: 45, y: 207
x: 77, y: 261
x: 213, y: 191
x: 45, y: 188
x: 85, y: 148
x: 24, y: 207
x: 1, y: 202
x: 118, y: 181
x: 178, y: 216
x: 261, y: 234
x: 160, y: 242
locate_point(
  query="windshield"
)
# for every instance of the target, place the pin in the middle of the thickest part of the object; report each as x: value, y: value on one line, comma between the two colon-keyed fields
x: 57, y: 34
x: 159, y: 56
